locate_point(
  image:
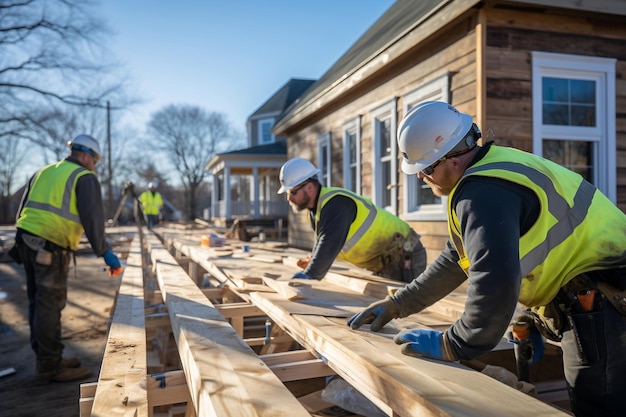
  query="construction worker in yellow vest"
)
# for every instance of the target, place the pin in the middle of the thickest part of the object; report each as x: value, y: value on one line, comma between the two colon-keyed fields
x: 60, y: 202
x: 522, y: 229
x: 151, y: 203
x: 350, y: 227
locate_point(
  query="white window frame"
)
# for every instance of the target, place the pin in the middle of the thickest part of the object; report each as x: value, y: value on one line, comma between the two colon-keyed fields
x: 378, y: 115
x: 260, y: 138
x: 353, y: 127
x: 600, y: 70
x: 437, y: 89
x: 323, y: 142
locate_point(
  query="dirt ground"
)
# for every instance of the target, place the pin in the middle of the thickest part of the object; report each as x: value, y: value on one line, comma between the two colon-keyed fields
x: 85, y: 322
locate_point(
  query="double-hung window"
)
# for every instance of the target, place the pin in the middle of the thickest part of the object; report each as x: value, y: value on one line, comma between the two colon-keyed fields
x: 574, y: 115
x: 352, y: 155
x: 385, y: 156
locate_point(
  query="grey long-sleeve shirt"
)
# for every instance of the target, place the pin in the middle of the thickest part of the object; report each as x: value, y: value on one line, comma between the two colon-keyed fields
x: 331, y: 232
x: 90, y: 210
x: 493, y: 214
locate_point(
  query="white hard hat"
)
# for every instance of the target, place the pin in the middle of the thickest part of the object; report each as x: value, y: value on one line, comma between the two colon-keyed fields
x: 153, y: 184
x: 86, y: 143
x: 294, y: 172
x: 429, y: 131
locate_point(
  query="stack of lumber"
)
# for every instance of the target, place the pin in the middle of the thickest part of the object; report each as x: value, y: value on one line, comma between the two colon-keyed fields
x: 234, y: 335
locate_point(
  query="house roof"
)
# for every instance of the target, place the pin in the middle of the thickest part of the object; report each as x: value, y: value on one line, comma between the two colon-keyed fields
x: 401, y: 16
x: 276, y: 148
x: 401, y: 20
x: 284, y: 97
x: 267, y: 154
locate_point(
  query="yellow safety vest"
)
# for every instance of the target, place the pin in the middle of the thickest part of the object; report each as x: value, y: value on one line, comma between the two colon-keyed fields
x: 566, y: 240
x: 50, y: 211
x: 151, y: 203
x: 372, y: 232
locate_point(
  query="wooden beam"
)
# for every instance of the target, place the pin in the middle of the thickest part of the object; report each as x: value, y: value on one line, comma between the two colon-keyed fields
x: 224, y: 375
x: 121, y: 389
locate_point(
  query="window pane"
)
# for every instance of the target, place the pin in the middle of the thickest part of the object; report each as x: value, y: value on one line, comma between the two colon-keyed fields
x: 352, y: 140
x: 385, y: 138
x: 575, y: 155
x: 554, y: 114
x: 583, y: 91
x: 554, y: 89
x: 386, y: 171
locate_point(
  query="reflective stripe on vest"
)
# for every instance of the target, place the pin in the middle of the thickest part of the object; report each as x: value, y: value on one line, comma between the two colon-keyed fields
x: 64, y: 210
x: 373, y: 233
x: 50, y: 210
x: 566, y: 239
x: 367, y: 223
x: 568, y: 217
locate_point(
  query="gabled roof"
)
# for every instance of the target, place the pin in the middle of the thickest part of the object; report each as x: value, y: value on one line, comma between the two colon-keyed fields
x: 283, y: 98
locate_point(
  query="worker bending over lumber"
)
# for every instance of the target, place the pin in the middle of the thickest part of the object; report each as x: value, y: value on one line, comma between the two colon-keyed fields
x: 522, y: 228
x: 350, y: 227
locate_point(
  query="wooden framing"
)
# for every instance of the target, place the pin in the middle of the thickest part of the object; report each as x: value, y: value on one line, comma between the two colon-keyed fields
x: 221, y: 373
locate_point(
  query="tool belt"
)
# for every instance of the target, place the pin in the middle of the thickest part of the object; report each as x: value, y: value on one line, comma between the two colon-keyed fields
x: 36, y: 243
x: 402, y: 243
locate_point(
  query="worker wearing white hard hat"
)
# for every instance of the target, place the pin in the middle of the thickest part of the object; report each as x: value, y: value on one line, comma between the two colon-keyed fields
x: 350, y: 227
x: 60, y: 203
x: 522, y: 229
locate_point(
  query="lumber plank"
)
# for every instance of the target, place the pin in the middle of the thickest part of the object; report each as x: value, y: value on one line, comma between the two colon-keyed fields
x: 121, y: 385
x: 373, y: 364
x: 224, y: 375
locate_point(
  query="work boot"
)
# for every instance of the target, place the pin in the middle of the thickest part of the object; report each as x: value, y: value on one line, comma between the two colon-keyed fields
x: 53, y: 371
x: 72, y: 362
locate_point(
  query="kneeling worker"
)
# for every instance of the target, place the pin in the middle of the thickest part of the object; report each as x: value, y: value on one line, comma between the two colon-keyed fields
x: 351, y: 228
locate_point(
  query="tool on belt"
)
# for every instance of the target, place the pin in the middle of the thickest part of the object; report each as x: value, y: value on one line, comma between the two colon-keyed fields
x: 528, y: 345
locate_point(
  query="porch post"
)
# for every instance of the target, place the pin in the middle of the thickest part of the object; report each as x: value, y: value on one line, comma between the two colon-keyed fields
x: 255, y: 192
x: 227, y: 214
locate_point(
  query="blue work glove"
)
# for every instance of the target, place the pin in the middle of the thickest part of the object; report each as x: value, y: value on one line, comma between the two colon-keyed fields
x: 378, y: 314
x: 422, y: 343
x: 301, y: 275
x: 111, y: 260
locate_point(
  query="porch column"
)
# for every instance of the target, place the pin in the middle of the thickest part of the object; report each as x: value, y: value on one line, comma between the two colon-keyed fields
x: 214, y: 196
x: 255, y: 192
x: 227, y: 204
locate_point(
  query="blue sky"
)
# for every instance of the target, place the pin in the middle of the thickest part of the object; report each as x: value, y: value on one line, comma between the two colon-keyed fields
x: 229, y: 56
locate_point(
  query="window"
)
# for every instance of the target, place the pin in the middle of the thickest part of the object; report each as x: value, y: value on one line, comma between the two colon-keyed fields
x: 419, y: 202
x: 385, y: 159
x: 574, y: 115
x: 352, y: 155
x: 265, y: 131
x: 323, y: 159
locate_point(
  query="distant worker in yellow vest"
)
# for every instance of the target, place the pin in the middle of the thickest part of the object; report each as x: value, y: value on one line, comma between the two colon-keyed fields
x: 350, y: 227
x: 151, y: 203
x: 60, y: 202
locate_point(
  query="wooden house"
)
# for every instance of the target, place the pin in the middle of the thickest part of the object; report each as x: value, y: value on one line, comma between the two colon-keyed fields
x: 544, y: 76
x: 245, y: 181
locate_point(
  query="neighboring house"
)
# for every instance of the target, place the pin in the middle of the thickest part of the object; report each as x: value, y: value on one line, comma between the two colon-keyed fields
x: 548, y: 77
x: 245, y: 181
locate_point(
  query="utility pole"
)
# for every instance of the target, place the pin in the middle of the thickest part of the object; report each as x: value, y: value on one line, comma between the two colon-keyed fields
x: 109, y: 181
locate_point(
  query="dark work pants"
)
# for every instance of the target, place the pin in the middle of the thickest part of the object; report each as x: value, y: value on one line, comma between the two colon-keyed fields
x: 599, y: 388
x: 47, y: 294
x: 153, y: 219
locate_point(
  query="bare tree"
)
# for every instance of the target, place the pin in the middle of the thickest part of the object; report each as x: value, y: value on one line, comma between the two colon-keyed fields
x: 51, y: 51
x: 11, y: 156
x: 190, y: 136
